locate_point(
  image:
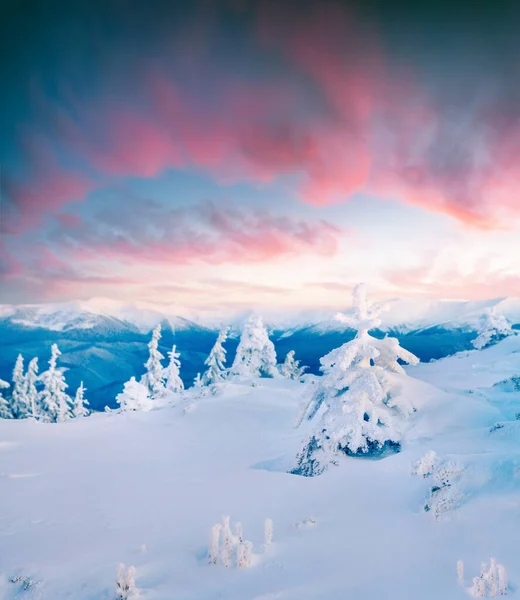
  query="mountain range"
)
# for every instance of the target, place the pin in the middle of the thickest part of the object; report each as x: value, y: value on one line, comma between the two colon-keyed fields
x: 104, y: 342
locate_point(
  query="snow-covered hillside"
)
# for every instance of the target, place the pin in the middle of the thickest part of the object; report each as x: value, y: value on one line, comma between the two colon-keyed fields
x: 145, y: 489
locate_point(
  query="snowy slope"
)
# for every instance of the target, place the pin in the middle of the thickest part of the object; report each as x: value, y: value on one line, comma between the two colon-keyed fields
x: 79, y: 497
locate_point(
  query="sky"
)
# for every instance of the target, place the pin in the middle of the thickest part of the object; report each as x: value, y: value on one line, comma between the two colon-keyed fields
x: 236, y: 153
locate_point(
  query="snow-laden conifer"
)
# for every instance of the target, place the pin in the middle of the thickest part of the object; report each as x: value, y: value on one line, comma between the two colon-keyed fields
x: 171, y: 374
x: 31, y: 393
x: 492, y: 581
x: 135, y: 396
x: 53, y: 400
x: 290, y: 367
x: 494, y: 327
x: 5, y: 407
x: 79, y: 406
x: 363, y: 409
x: 153, y: 378
x: 216, y: 361
x: 18, y: 397
x: 256, y: 356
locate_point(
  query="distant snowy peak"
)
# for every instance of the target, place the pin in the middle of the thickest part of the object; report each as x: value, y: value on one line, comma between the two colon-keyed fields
x: 90, y: 314
x: 402, y: 315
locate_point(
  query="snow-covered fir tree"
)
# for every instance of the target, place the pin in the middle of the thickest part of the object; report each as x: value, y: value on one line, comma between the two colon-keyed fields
x: 362, y: 407
x: 19, y: 406
x: 5, y: 408
x: 171, y: 373
x: 290, y: 368
x: 31, y: 393
x: 216, y: 361
x: 153, y: 378
x: 54, y: 401
x: 493, y: 328
x: 135, y: 396
x: 256, y: 356
x: 79, y: 406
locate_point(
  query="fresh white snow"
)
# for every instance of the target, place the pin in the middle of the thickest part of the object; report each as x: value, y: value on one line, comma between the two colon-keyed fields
x: 145, y: 488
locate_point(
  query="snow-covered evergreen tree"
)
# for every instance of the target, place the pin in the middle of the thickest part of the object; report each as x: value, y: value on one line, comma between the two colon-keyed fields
x: 290, y: 368
x: 18, y: 399
x: 216, y: 361
x: 5, y: 408
x: 31, y: 393
x: 256, y: 356
x: 79, y: 406
x: 363, y: 408
x: 153, y: 378
x: 171, y: 373
x: 493, y: 328
x: 135, y: 396
x: 54, y: 402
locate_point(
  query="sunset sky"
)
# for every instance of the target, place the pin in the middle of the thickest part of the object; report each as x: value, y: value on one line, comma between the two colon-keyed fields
x: 239, y: 152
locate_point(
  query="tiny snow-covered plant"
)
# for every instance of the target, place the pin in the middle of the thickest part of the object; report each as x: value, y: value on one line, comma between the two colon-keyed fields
x: 305, y: 523
x: 268, y: 532
x: 226, y: 547
x: 445, y: 492
x: 244, y: 554
x: 214, y: 541
x: 239, y: 533
x: 424, y: 466
x: 26, y: 583
x: 460, y: 572
x: 126, y: 589
x: 503, y: 584
x: 227, y: 542
x: 492, y: 581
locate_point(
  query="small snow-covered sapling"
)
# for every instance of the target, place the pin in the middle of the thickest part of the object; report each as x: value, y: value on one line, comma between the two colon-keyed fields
x: 268, y: 532
x: 126, y: 589
x: 491, y: 582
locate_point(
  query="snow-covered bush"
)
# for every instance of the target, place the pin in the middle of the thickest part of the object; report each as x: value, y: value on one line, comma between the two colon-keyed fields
x: 445, y: 491
x: 216, y: 361
x: 5, y: 408
x: 493, y: 328
x: 126, y: 589
x: 171, y: 373
x: 491, y: 582
x: 256, y: 356
x: 153, y: 377
x: 135, y: 396
x: 53, y: 400
x: 290, y: 368
x: 226, y: 547
x: 363, y: 406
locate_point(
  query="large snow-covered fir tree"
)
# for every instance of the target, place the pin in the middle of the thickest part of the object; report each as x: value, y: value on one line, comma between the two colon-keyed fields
x: 362, y: 407
x: 493, y: 328
x: 79, y: 406
x: 216, y: 361
x: 153, y: 378
x: 31, y: 393
x: 5, y: 408
x: 256, y: 356
x: 135, y: 396
x: 290, y: 367
x: 19, y: 406
x: 171, y: 374
x: 54, y: 401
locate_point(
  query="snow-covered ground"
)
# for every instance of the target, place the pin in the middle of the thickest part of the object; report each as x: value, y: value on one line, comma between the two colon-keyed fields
x: 145, y: 488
